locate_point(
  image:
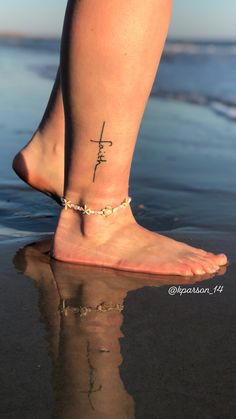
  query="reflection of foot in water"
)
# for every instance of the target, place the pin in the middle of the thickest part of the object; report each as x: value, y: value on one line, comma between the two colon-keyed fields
x: 86, y: 349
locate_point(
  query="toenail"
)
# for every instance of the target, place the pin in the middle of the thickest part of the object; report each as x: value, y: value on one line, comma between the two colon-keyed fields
x: 213, y: 268
x: 200, y: 271
x: 222, y: 255
x: 188, y: 273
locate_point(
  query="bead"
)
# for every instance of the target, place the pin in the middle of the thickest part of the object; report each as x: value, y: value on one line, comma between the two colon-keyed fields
x: 107, y: 211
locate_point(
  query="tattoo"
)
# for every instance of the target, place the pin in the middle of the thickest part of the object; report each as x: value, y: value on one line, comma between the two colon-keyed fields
x: 91, y: 379
x: 101, y: 152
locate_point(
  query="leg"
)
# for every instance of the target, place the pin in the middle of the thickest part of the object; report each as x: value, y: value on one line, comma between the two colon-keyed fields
x: 110, y: 54
x: 45, y: 149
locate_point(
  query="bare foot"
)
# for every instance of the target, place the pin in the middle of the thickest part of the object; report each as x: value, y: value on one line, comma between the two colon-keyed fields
x: 119, y: 242
x: 41, y: 165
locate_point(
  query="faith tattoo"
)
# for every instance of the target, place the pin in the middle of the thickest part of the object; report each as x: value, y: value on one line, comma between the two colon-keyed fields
x: 101, y: 158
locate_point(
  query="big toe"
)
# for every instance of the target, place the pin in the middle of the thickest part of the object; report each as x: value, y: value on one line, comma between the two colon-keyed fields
x: 220, y: 259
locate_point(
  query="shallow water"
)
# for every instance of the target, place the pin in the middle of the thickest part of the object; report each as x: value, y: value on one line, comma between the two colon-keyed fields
x: 163, y: 356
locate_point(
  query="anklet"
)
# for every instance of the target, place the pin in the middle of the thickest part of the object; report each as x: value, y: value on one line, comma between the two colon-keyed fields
x: 108, y: 210
x: 84, y: 310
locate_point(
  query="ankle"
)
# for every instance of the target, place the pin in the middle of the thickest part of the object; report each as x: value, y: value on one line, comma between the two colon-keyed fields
x: 96, y: 199
x: 95, y: 226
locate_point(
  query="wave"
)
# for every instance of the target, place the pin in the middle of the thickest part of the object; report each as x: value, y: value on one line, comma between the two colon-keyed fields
x: 11, y: 232
x: 36, y: 44
x: 47, y: 71
x: 221, y: 107
x: 200, y: 48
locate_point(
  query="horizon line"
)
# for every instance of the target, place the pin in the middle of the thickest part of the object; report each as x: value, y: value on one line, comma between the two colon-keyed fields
x: 24, y: 35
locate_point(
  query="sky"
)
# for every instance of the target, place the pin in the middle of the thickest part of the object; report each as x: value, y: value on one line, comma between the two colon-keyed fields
x: 190, y: 19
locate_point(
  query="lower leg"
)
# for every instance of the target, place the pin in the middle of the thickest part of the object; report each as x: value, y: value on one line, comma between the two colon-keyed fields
x: 107, y: 73
x: 53, y: 122
x: 45, y: 149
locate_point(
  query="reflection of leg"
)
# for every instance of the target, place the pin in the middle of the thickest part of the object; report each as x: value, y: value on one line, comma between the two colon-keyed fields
x: 110, y: 53
x: 45, y: 149
x: 32, y: 262
x: 88, y: 380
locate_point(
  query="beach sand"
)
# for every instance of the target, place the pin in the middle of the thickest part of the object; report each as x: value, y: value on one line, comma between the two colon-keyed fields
x: 165, y: 356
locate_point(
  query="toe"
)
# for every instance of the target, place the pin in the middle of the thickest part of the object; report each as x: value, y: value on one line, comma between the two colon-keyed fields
x: 208, y: 264
x: 220, y: 259
x: 184, y: 270
x: 197, y: 267
x: 217, y: 259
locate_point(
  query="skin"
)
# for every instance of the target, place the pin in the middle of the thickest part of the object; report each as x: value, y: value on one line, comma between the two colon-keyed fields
x: 105, y: 88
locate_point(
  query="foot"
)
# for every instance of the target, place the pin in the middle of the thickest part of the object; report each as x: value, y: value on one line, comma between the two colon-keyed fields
x: 119, y: 242
x: 41, y: 165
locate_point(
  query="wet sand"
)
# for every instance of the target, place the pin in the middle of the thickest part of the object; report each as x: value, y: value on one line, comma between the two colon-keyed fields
x: 163, y: 356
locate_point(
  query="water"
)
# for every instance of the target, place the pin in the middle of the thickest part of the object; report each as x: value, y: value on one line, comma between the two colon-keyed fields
x: 200, y: 72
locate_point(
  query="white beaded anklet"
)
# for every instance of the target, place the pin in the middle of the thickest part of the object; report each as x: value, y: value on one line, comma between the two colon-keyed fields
x: 105, y: 212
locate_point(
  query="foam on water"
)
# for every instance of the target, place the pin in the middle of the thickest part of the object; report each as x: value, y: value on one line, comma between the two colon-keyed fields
x: 201, y: 48
x: 220, y: 107
x: 15, y: 233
